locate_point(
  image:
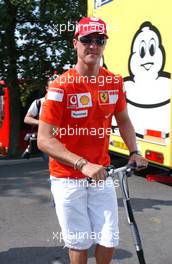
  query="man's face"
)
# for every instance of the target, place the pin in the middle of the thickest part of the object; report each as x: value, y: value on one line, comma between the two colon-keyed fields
x: 90, y: 53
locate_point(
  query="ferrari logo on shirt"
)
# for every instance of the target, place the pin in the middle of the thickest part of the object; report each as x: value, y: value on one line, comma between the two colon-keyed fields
x: 108, y: 97
x: 79, y: 100
x: 104, y: 97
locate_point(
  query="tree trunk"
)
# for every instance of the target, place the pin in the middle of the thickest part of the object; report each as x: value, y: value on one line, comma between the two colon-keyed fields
x: 12, y: 81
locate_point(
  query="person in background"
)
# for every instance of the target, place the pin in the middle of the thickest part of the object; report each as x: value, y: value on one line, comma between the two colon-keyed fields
x: 32, y: 118
x: 34, y: 111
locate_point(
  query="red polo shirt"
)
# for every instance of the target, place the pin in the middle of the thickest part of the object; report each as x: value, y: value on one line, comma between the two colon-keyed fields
x: 82, y: 108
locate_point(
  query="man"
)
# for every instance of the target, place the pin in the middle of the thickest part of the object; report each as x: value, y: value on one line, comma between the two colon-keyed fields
x: 32, y: 118
x: 72, y: 117
x: 32, y: 115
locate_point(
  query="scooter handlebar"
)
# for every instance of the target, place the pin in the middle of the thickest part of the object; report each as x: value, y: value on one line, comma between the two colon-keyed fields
x: 128, y: 169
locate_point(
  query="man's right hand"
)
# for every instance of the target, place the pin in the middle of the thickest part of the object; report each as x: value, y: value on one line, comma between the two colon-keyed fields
x: 95, y: 171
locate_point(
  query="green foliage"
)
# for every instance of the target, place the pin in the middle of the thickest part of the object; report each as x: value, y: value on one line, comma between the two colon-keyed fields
x: 35, y: 38
x: 43, y: 39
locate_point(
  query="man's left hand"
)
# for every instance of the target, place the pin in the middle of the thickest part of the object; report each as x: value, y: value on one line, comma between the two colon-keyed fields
x: 141, y: 162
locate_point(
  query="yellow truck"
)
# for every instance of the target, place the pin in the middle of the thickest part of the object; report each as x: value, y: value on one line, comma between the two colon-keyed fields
x: 140, y: 49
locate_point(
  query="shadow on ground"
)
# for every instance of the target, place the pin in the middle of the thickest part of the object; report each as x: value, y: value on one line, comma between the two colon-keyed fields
x: 46, y: 255
x: 19, y: 179
x: 139, y: 204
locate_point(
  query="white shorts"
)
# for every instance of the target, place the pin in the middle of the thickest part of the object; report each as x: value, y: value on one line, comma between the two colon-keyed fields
x: 87, y: 213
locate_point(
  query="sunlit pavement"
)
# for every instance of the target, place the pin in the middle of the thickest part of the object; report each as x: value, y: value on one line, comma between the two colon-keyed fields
x: 29, y: 232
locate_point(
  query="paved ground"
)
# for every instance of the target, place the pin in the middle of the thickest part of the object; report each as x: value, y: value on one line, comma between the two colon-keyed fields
x: 28, y: 225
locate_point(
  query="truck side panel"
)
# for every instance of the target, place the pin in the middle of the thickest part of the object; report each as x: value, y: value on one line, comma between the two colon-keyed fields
x: 139, y: 48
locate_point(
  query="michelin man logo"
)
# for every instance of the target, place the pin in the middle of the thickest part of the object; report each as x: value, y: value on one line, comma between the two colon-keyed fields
x: 148, y: 87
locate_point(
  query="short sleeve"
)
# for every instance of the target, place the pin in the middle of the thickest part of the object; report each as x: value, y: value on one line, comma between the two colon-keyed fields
x: 121, y: 103
x: 53, y: 106
x: 33, y: 110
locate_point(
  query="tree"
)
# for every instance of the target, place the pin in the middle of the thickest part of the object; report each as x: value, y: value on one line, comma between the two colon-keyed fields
x: 36, y: 37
